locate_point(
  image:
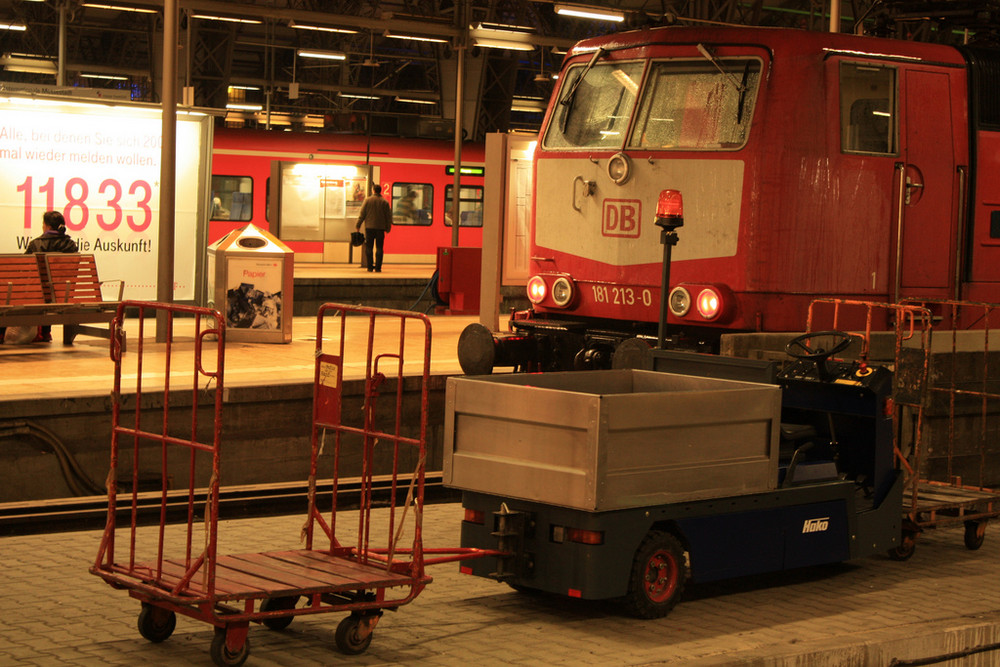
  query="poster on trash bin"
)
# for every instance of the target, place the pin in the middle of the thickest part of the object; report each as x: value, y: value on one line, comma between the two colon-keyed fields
x: 253, y: 295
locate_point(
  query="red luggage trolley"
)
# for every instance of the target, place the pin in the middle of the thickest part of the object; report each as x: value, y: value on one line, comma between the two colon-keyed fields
x: 351, y: 575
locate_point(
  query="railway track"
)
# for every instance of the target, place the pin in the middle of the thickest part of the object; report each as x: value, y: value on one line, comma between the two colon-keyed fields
x: 235, y: 502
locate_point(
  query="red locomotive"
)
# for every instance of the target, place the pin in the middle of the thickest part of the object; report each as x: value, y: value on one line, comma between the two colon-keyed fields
x: 810, y: 165
x: 318, y: 205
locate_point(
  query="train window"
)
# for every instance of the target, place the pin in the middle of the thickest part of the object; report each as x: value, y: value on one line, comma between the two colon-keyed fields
x: 697, y: 106
x: 594, y: 112
x: 412, y: 203
x: 470, y: 205
x: 232, y: 198
x: 868, y: 109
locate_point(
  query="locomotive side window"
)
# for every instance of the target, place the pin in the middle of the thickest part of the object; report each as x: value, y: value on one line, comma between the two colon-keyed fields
x: 594, y: 112
x: 232, y: 198
x: 412, y: 203
x: 695, y: 106
x: 470, y: 205
x: 868, y: 109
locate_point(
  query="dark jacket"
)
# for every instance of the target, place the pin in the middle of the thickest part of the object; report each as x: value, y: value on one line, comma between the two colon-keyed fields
x: 375, y: 214
x: 52, y: 241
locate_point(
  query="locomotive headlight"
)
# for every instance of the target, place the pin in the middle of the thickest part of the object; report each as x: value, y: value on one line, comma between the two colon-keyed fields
x: 679, y: 301
x: 709, y: 303
x: 619, y: 168
x: 562, y: 291
x: 536, y: 289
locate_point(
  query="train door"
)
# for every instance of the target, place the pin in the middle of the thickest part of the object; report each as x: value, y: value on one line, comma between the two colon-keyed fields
x: 926, y: 212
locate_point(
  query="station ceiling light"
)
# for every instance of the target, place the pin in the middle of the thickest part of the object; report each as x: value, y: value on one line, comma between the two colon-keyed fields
x: 598, y: 14
x: 321, y: 28
x: 13, y: 25
x: 418, y: 38
x: 239, y: 106
x: 104, y: 77
x: 226, y: 19
x: 359, y: 97
x: 28, y: 63
x: 415, y: 100
x: 322, y: 55
x: 119, y: 8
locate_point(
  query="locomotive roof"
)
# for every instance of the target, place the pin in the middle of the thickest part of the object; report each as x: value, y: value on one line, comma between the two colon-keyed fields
x: 779, y: 40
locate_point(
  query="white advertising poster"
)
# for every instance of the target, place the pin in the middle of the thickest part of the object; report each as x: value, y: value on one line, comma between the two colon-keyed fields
x: 99, y: 166
x: 253, y: 293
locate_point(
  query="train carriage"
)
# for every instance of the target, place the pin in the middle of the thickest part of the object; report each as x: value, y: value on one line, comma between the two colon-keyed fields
x: 810, y: 165
x: 318, y: 203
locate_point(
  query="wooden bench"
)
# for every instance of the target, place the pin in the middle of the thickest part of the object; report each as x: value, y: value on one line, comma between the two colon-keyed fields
x: 55, y: 288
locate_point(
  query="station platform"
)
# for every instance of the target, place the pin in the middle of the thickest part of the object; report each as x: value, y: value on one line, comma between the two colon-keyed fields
x: 944, y: 601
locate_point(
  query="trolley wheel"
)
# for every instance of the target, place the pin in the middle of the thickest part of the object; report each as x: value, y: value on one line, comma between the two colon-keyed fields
x: 975, y: 532
x: 348, y: 637
x: 155, y: 623
x: 905, y: 548
x: 279, y: 604
x: 222, y: 656
x: 658, y: 576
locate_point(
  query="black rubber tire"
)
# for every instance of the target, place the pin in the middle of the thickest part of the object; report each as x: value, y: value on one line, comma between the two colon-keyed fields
x: 658, y: 575
x: 276, y: 604
x: 347, y: 636
x: 973, y: 537
x: 222, y: 656
x: 156, y: 624
x: 906, y: 548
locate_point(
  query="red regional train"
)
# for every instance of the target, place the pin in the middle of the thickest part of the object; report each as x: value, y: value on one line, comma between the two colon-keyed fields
x: 323, y: 180
x: 809, y: 165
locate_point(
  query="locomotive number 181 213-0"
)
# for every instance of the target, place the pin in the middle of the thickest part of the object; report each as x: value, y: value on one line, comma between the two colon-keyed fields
x: 620, y: 295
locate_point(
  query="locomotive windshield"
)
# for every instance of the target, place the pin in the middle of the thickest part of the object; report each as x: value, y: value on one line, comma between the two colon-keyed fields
x: 696, y: 105
x: 686, y: 105
x: 597, y: 113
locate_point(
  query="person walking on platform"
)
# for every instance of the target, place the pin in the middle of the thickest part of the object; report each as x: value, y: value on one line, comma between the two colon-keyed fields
x: 376, y: 216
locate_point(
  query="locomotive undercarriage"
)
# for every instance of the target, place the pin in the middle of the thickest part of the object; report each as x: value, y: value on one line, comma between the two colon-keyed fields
x: 544, y: 344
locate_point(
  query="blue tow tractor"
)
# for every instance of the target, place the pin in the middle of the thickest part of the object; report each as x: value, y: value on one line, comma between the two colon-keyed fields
x: 626, y: 484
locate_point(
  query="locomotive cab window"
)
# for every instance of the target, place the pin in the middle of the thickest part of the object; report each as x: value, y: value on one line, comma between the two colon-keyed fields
x: 232, y: 198
x: 594, y: 107
x: 868, y: 109
x: 470, y: 205
x: 696, y: 105
x: 412, y: 203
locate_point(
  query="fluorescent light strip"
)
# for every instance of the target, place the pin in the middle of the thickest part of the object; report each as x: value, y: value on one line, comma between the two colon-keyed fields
x: 119, y: 8
x: 323, y: 55
x: 20, y: 27
x: 360, y: 97
x: 413, y: 100
x: 590, y: 13
x: 418, y: 38
x: 106, y: 77
x: 244, y: 107
x: 321, y: 28
x: 227, y: 19
x: 503, y: 44
x: 239, y: 87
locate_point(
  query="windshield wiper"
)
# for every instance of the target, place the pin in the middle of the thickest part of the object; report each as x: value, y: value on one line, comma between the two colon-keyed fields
x: 740, y: 87
x: 567, y: 100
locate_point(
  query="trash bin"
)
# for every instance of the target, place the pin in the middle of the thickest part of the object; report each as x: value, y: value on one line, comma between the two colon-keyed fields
x: 250, y: 283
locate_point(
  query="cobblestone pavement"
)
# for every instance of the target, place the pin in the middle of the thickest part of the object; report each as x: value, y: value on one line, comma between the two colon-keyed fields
x: 869, y: 612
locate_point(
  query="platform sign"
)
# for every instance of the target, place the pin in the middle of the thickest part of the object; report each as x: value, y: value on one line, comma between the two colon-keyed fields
x: 99, y: 165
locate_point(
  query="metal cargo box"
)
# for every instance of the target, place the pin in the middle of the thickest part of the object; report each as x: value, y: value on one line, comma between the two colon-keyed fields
x: 605, y: 440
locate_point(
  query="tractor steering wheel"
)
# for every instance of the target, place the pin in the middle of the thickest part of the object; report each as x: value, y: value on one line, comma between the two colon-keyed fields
x: 840, y: 340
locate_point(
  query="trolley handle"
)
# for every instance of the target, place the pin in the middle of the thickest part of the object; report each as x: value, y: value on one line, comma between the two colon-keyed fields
x: 198, y: 341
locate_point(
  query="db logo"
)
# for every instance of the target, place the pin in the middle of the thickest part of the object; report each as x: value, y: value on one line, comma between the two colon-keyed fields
x: 816, y: 525
x: 621, y: 217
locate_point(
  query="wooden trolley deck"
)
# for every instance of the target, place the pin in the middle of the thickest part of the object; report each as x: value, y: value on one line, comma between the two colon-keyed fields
x: 267, y: 575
